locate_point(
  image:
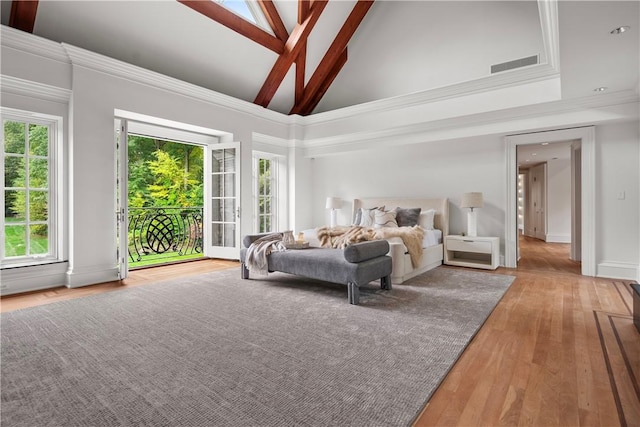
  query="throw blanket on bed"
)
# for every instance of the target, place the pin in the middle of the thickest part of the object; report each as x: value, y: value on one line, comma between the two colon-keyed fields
x: 256, y: 260
x: 341, y: 237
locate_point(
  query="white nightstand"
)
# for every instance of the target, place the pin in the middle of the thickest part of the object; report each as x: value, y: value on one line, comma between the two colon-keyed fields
x: 476, y: 252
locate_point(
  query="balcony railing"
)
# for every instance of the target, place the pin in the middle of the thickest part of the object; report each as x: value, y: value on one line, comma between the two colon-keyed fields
x: 163, y: 234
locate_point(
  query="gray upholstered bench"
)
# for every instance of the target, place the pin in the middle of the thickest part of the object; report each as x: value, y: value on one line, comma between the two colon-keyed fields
x: 354, y: 266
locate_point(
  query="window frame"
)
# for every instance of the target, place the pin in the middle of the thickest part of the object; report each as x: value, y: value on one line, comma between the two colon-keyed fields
x: 55, y: 187
x: 274, y: 186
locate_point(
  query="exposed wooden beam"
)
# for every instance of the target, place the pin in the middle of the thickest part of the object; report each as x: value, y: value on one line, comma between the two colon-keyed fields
x: 23, y: 14
x: 313, y: 102
x: 301, y: 61
x: 292, y: 49
x: 303, y: 9
x: 332, y: 57
x: 301, y: 64
x: 274, y: 20
x: 230, y: 20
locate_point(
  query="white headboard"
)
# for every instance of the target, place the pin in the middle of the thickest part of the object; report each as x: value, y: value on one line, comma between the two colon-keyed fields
x: 441, y: 206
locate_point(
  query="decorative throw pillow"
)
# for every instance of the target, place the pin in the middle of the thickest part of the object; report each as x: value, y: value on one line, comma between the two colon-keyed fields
x: 407, y: 217
x: 366, y: 216
x: 358, y: 218
x: 384, y: 219
x: 426, y: 219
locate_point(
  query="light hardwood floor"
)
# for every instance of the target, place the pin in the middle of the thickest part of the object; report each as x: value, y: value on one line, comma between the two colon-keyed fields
x: 560, y: 349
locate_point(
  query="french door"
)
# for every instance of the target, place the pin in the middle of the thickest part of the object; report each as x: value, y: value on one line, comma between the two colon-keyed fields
x: 122, y: 191
x: 222, y: 201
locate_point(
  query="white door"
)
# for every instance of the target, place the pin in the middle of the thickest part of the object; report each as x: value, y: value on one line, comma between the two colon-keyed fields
x: 538, y: 201
x: 122, y: 175
x: 222, y: 201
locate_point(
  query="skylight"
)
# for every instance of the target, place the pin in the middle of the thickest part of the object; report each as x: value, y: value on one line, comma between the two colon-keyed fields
x: 249, y: 10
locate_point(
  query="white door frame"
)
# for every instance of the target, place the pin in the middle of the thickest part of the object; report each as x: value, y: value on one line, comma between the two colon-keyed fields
x: 122, y: 214
x: 588, y: 165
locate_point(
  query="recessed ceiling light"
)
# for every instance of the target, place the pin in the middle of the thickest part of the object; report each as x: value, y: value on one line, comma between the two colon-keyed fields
x: 620, y: 30
x: 545, y: 143
x: 600, y: 89
x: 534, y: 154
x: 527, y: 160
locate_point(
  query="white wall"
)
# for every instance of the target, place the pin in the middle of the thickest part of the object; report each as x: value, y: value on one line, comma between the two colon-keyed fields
x: 617, y: 200
x: 559, y: 200
x: 428, y: 170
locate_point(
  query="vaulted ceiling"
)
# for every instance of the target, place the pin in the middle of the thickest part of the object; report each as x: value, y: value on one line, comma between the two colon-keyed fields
x: 317, y: 56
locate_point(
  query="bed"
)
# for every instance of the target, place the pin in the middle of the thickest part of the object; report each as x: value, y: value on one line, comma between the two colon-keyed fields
x: 432, y: 253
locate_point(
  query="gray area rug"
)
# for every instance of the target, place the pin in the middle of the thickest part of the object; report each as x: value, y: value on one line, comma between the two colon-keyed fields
x: 215, y: 350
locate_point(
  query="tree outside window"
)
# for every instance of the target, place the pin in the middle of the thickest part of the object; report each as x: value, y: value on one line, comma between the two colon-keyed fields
x: 27, y: 195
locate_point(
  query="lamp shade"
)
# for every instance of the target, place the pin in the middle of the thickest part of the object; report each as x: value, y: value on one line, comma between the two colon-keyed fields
x: 333, y: 203
x: 472, y: 200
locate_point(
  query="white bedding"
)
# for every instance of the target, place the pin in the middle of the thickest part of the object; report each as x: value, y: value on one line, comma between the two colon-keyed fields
x: 431, y: 238
x: 433, y: 255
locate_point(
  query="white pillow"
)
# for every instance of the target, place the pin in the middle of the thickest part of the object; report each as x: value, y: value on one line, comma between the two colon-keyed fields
x: 426, y: 219
x: 367, y: 218
x: 384, y: 219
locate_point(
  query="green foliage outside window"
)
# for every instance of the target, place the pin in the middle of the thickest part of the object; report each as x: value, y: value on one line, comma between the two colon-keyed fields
x: 26, y: 192
x: 164, y: 173
x: 265, y: 196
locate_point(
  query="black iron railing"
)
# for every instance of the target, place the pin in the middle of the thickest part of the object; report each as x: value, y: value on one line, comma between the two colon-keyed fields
x: 163, y: 234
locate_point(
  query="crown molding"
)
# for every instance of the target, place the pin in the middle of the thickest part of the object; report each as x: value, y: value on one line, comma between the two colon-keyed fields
x: 29, y: 88
x: 415, y: 133
x: 548, y: 11
x: 94, y: 61
x: 27, y: 42
x: 272, y: 140
x: 503, y: 80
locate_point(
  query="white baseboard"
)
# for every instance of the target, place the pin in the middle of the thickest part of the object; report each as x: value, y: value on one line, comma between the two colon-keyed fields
x: 617, y: 270
x: 33, y: 278
x: 558, y: 238
x: 78, y: 277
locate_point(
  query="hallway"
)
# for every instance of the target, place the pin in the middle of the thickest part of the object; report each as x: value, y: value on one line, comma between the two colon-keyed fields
x: 537, y: 255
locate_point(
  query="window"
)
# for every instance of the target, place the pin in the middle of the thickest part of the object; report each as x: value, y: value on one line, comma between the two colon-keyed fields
x: 249, y: 10
x: 29, y: 188
x: 265, y: 171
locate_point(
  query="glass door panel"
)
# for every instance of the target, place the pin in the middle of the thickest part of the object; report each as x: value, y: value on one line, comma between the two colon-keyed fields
x: 223, y: 201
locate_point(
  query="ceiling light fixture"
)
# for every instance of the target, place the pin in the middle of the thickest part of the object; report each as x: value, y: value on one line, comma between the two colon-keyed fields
x: 600, y: 89
x: 545, y: 143
x: 620, y: 30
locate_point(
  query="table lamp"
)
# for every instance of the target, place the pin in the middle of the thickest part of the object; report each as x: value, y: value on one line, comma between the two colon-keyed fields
x: 472, y: 200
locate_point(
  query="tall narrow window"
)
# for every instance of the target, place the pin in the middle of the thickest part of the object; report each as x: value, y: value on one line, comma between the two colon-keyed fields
x: 265, y: 171
x: 28, y: 223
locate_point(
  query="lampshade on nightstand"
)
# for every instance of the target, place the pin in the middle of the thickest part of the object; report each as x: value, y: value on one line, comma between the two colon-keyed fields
x: 334, y: 204
x: 472, y: 200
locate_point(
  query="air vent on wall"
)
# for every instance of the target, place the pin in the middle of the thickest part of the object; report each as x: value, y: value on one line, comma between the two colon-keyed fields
x: 517, y: 63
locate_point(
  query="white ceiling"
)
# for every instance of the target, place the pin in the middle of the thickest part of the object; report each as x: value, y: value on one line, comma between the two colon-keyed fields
x: 401, y: 47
